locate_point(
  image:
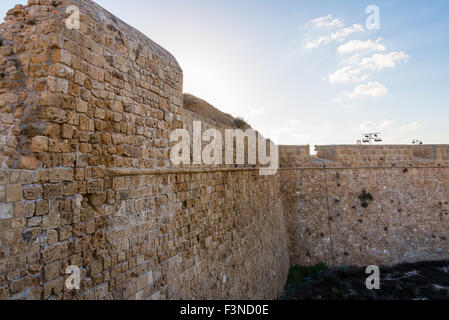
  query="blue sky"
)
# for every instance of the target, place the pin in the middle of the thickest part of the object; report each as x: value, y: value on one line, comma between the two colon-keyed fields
x: 261, y: 60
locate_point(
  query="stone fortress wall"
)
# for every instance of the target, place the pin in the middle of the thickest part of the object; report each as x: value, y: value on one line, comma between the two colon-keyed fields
x: 370, y: 205
x: 86, y: 117
x: 86, y: 180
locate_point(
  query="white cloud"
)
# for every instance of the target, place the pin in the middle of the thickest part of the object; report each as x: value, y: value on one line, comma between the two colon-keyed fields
x: 292, y: 127
x: 380, y: 61
x: 370, y: 125
x: 360, y: 69
x: 365, y: 57
x: 353, y: 60
x: 292, y: 132
x: 411, y: 127
x: 372, y: 89
x: 386, y: 123
x: 347, y: 74
x: 338, y: 35
x: 295, y: 122
x: 387, y: 126
x: 257, y: 112
x: 325, y: 22
x: 359, y: 45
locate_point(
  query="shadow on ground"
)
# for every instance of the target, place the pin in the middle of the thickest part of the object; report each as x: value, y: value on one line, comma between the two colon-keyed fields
x: 417, y: 281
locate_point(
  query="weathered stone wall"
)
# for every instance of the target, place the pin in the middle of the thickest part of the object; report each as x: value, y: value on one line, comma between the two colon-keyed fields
x: 204, y: 235
x: 384, y: 155
x: 406, y: 220
x: 86, y: 117
x: 86, y: 180
x: 294, y: 156
x: 189, y: 117
x: 101, y: 96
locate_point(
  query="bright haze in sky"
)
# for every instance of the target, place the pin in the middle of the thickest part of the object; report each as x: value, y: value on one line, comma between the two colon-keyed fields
x: 309, y: 72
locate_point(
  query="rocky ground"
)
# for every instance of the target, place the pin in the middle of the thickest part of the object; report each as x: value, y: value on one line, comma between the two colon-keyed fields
x: 418, y: 281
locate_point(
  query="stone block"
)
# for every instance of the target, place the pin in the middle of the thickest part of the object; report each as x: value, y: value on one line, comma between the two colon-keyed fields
x: 13, y: 193
x: 39, y: 144
x: 97, y: 198
x: 6, y: 211
x: 32, y: 192
x: 60, y: 174
x: 29, y: 163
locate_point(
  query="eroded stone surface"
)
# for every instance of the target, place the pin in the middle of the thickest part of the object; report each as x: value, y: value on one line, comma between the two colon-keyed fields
x: 405, y: 217
x: 76, y: 106
x: 75, y: 103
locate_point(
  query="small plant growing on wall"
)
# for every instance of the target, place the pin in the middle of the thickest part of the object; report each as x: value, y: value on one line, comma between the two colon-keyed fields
x: 241, y: 123
x: 298, y: 274
x: 365, y: 198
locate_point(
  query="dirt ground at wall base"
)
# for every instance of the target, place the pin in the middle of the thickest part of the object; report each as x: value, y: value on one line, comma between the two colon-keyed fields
x: 410, y: 281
